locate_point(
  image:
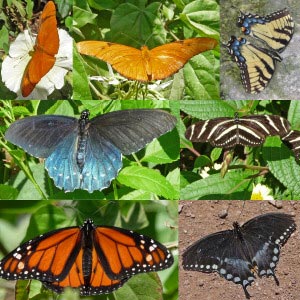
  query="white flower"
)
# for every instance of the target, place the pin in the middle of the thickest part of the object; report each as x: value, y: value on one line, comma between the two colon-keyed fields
x: 261, y: 192
x: 15, y: 63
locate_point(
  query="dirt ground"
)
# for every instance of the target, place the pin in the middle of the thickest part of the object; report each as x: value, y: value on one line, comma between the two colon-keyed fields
x: 200, y: 218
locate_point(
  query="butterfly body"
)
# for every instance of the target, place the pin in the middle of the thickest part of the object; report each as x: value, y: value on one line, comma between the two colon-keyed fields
x: 87, y: 154
x: 95, y: 259
x: 147, y: 65
x: 239, y: 254
x: 45, y: 49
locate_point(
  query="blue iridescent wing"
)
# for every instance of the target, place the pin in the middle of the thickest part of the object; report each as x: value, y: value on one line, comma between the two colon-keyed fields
x: 132, y: 130
x: 102, y: 163
x: 39, y: 135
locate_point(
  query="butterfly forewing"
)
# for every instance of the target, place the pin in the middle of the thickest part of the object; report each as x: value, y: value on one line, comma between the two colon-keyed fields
x: 125, y: 253
x: 40, y: 135
x: 25, y: 261
x: 132, y: 130
x: 275, y: 29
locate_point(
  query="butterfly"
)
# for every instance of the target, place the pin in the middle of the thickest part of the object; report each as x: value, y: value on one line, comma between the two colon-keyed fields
x: 275, y: 29
x: 257, y: 65
x: 147, y: 65
x: 45, y: 49
x: 247, y: 131
x: 95, y: 259
x: 87, y: 154
x: 238, y: 254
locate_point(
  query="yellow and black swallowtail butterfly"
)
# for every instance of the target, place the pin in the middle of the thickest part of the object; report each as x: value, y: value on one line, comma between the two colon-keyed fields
x: 257, y: 64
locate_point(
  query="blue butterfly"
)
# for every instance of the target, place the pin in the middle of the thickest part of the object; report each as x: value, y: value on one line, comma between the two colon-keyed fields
x: 87, y: 154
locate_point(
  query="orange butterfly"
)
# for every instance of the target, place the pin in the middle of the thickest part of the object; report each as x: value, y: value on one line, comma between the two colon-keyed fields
x: 45, y: 49
x: 147, y: 65
x: 95, y: 259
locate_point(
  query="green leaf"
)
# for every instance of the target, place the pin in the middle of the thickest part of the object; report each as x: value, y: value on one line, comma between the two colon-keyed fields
x: 204, y: 16
x: 147, y: 179
x: 8, y: 192
x: 80, y: 79
x: 208, y: 109
x: 163, y: 150
x: 234, y: 186
x: 200, y: 81
x: 141, y: 287
x: 282, y: 164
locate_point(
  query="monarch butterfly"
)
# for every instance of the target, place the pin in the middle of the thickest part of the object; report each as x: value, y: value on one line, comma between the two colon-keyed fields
x: 95, y: 259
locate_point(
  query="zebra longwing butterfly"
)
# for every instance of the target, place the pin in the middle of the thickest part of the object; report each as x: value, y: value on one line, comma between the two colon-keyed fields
x: 247, y: 131
x: 238, y: 254
x: 293, y: 139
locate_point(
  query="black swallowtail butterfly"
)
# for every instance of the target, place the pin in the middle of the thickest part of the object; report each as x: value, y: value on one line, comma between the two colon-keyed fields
x: 240, y: 253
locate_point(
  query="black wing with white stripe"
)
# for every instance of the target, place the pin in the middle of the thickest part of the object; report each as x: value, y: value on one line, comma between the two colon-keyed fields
x: 247, y: 131
x: 236, y: 254
x: 293, y: 141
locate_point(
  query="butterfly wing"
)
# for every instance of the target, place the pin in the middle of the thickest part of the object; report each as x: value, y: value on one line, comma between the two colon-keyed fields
x: 219, y: 132
x: 39, y: 135
x: 95, y: 283
x: 220, y: 252
x: 168, y: 59
x: 127, y: 61
x: 102, y: 163
x: 132, y: 130
x: 264, y: 235
x: 147, y: 65
x: 48, y: 257
x: 46, y: 47
x: 276, y: 29
x: 124, y: 253
x: 257, y: 65
x: 293, y: 140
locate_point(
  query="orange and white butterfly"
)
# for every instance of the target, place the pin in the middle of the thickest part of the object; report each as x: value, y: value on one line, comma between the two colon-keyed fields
x: 33, y: 68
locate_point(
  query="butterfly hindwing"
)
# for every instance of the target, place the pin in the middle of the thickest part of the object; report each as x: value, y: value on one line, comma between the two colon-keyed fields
x: 103, y: 160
